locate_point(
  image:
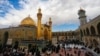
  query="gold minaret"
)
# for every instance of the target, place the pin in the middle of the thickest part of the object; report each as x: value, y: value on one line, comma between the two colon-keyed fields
x: 50, y: 29
x: 39, y: 16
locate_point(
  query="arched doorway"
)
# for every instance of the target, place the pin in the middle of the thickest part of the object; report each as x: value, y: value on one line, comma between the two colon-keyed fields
x: 98, y: 28
x: 95, y: 42
x: 87, y: 31
x: 5, y: 39
x: 81, y: 33
x: 92, y: 30
x: 46, y: 34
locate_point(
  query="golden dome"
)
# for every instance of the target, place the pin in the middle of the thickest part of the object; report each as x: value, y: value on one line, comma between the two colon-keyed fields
x: 28, y: 21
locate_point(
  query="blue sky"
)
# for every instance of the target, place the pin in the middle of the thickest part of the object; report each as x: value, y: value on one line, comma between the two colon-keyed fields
x: 63, y: 12
x: 15, y: 3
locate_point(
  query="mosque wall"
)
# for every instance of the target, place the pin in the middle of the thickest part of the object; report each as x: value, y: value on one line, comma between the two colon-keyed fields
x: 18, y: 34
x: 90, y: 32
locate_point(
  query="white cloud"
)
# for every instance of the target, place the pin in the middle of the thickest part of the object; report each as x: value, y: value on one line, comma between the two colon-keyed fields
x: 61, y: 11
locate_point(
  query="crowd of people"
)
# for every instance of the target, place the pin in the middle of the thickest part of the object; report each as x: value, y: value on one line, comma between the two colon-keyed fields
x: 61, y: 49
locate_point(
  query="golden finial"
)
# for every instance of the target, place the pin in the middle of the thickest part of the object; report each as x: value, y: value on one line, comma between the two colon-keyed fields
x: 50, y: 19
x: 29, y: 15
x: 39, y: 10
x: 81, y: 8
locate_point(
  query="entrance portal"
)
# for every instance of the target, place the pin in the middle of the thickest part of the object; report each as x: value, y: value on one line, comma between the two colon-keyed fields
x: 6, y: 35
